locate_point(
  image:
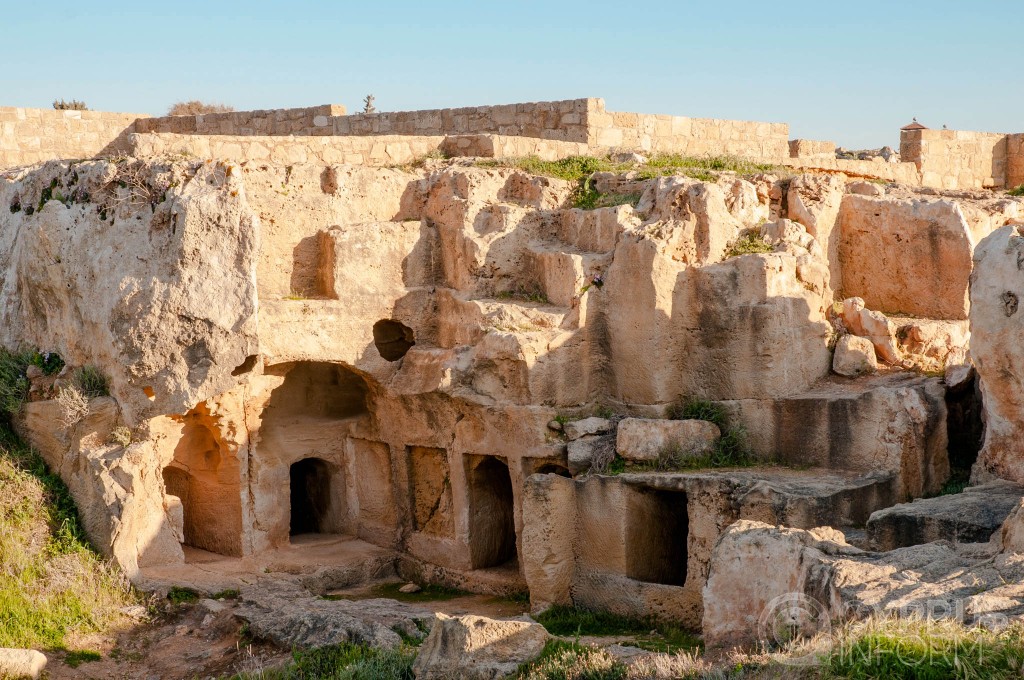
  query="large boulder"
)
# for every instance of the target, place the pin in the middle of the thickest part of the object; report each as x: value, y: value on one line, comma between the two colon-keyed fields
x: 644, y: 439
x: 997, y: 339
x: 906, y: 255
x: 478, y: 648
x: 854, y: 356
x: 21, y: 663
x: 766, y: 581
x: 814, y: 201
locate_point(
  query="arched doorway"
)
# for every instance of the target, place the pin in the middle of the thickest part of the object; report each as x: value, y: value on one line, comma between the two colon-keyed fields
x: 492, y: 530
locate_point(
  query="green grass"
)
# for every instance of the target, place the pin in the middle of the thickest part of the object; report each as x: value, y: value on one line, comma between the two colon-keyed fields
x: 346, y: 661
x: 915, y: 649
x: 647, y: 633
x: 180, y: 595
x: 52, y: 584
x: 563, y: 660
x: 1017, y: 190
x: 79, y: 656
x: 747, y: 245
x: 229, y: 594
x: 523, y: 295
x: 698, y: 409
x: 92, y: 382
x: 13, y: 383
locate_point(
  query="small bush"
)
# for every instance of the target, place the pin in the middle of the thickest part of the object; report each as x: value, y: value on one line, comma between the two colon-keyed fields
x: 194, y: 107
x: 50, y: 363
x: 74, y: 406
x: 121, y: 436
x: 92, y: 382
x: 181, y: 595
x: 1017, y: 190
x: 749, y: 244
x: 698, y: 409
x: 70, y: 105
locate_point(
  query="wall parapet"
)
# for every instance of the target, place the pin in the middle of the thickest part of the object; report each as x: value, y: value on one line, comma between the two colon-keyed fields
x: 312, y: 120
x: 35, y: 135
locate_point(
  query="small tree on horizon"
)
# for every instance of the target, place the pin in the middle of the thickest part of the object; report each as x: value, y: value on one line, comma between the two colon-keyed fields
x: 71, y: 105
x: 368, y: 106
x: 194, y: 107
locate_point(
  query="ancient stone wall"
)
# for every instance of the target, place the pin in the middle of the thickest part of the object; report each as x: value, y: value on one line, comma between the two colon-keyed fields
x: 1014, y: 160
x: 956, y: 159
x: 811, y: 148
x: 313, y: 120
x: 690, y: 136
x: 373, y: 150
x: 34, y: 135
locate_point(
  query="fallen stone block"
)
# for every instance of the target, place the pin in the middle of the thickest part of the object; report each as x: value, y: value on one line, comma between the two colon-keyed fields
x: 478, y: 648
x: 592, y: 425
x: 644, y: 439
x: 854, y: 356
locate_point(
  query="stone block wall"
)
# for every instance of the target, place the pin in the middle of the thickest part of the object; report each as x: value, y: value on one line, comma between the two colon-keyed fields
x: 34, y: 135
x: 373, y: 151
x: 1014, y: 160
x: 313, y: 120
x: 956, y: 159
x: 565, y: 120
x: 811, y: 148
x: 689, y: 136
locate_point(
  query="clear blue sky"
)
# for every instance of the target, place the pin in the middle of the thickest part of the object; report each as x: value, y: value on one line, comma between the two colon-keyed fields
x: 851, y: 72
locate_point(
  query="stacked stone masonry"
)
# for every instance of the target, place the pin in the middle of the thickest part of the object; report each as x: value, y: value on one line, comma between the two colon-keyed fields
x: 959, y: 159
x: 35, y: 135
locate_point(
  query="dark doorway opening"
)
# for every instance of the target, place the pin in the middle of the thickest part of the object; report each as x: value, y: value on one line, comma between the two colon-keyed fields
x: 966, y: 429
x: 310, y: 496
x: 657, y: 529
x: 492, y: 529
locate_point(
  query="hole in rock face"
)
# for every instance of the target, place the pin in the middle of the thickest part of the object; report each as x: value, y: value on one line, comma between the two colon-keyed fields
x: 392, y: 339
x: 554, y: 469
x: 310, y: 481
x: 657, y: 526
x: 965, y: 427
x: 492, y: 531
x: 246, y: 366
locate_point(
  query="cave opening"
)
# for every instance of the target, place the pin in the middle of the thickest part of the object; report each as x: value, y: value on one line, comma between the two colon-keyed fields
x: 492, y: 531
x: 392, y: 339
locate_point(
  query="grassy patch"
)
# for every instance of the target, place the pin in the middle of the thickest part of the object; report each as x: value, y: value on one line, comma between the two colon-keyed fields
x: 13, y: 383
x: 571, y: 169
x: 648, y: 633
x: 180, y: 595
x: 747, y: 245
x: 92, y: 382
x: 698, y: 409
x: 523, y: 295
x: 915, y: 649
x: 52, y: 584
x: 346, y: 661
x: 563, y: 660
x: 79, y: 656
x: 229, y: 594
x: 1017, y: 190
